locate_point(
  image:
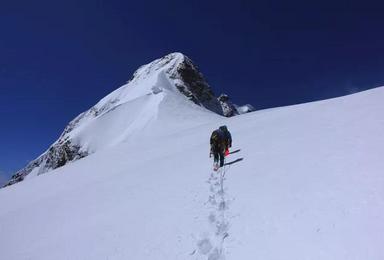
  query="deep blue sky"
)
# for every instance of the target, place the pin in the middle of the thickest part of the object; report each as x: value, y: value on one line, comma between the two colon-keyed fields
x: 58, y: 58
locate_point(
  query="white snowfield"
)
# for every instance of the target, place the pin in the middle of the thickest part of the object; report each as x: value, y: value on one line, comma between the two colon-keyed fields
x: 310, y: 186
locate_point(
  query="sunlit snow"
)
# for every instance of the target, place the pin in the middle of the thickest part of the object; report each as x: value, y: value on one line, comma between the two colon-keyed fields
x: 307, y: 184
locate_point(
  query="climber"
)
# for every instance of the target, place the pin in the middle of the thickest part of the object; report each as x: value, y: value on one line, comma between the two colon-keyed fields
x: 221, y: 141
x: 227, y: 136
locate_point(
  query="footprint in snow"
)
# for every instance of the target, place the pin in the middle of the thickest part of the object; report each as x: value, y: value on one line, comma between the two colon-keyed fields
x: 204, y: 246
x: 212, y: 217
x: 215, y: 255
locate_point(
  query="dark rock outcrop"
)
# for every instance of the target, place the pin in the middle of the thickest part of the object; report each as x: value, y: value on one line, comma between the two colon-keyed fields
x: 228, y: 107
x: 57, y: 155
x: 195, y: 87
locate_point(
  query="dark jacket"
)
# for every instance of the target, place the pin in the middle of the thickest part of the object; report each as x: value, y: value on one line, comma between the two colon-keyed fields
x: 218, y: 141
x: 227, y: 136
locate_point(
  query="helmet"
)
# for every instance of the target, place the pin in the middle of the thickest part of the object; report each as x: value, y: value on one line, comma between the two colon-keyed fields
x: 223, y: 128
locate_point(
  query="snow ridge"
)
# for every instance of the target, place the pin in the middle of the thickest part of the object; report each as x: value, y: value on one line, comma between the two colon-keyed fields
x: 311, y: 187
x: 125, y: 111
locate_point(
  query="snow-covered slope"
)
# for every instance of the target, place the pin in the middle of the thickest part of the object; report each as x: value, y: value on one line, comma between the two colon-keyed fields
x: 127, y: 110
x: 310, y: 186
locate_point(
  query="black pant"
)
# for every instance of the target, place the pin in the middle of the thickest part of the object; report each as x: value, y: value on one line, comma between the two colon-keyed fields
x: 218, y: 154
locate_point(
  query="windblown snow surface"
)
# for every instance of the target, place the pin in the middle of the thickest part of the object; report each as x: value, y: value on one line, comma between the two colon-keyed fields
x: 309, y: 186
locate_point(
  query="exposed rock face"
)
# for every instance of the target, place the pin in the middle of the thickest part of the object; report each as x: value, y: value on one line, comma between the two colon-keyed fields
x: 193, y: 85
x: 57, y: 155
x: 229, y: 109
x: 179, y: 73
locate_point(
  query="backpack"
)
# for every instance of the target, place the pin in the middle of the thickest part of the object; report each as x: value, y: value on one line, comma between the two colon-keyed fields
x: 217, y: 137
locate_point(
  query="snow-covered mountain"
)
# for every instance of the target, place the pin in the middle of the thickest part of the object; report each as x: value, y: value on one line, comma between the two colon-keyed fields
x: 302, y: 182
x: 129, y: 109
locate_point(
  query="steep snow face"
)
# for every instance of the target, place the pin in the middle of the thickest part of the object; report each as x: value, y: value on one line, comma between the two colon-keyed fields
x: 127, y: 110
x: 179, y: 72
x: 309, y: 185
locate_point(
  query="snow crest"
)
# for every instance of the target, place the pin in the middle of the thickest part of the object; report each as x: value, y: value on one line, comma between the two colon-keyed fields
x: 310, y: 186
x: 130, y: 109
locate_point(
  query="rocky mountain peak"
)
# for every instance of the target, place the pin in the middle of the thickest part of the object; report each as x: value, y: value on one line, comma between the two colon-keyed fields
x: 174, y: 72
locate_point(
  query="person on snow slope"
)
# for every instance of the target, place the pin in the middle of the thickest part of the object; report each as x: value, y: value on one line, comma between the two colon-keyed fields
x: 221, y: 141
